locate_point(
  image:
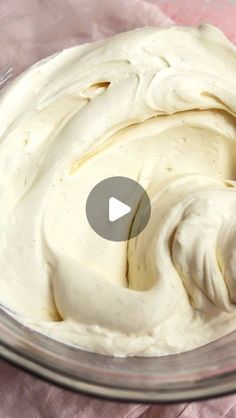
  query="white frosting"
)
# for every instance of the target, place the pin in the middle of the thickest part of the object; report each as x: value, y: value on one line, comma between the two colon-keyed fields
x: 155, y: 105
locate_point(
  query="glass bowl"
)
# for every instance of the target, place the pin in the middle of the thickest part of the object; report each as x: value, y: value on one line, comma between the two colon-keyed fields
x: 204, y: 372
x: 29, y: 31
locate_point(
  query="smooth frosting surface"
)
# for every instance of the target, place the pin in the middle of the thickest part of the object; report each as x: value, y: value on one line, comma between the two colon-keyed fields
x: 155, y: 105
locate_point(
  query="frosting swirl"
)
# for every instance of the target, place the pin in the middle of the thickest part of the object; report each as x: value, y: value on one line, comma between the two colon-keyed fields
x: 155, y: 105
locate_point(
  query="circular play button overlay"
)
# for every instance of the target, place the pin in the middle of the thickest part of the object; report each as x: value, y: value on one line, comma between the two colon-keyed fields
x: 118, y: 208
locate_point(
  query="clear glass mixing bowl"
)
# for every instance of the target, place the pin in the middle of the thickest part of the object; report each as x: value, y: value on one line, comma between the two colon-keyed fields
x: 30, y: 30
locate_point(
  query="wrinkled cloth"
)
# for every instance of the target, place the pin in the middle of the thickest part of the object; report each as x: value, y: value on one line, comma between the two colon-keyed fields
x: 33, y: 29
x: 22, y: 395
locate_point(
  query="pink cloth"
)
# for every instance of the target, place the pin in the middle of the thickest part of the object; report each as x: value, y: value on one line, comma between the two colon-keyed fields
x: 25, y: 396
x: 27, y: 25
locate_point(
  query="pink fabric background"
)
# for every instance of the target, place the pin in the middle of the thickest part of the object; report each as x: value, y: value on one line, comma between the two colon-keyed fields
x: 25, y: 27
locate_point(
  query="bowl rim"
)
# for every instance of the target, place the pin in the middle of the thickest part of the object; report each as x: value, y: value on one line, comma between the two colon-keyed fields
x: 12, y: 357
x: 207, y: 386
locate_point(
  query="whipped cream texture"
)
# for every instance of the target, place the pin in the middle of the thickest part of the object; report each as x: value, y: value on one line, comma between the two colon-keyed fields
x: 157, y: 106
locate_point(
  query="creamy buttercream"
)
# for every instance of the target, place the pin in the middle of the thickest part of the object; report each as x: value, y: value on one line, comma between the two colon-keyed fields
x: 157, y: 106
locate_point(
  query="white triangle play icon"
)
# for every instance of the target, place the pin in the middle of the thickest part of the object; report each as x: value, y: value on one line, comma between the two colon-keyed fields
x: 117, y: 209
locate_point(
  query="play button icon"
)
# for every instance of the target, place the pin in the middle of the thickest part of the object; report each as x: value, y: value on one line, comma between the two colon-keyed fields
x: 118, y: 208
